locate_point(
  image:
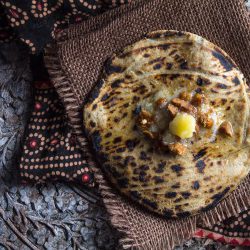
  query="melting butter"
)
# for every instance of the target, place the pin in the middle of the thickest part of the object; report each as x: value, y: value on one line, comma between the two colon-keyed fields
x: 183, y: 125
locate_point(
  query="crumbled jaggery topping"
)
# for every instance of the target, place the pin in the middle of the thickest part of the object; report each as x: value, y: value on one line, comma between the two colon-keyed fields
x: 197, y: 128
x: 185, y: 96
x: 149, y: 134
x: 171, y: 123
x: 173, y: 110
x: 205, y: 120
x: 184, y: 105
x: 226, y: 128
x: 145, y: 114
x: 145, y: 119
x: 161, y: 102
x: 177, y: 148
x: 198, y: 99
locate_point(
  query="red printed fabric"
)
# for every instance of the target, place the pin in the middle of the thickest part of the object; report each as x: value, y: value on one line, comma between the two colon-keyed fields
x: 233, y: 231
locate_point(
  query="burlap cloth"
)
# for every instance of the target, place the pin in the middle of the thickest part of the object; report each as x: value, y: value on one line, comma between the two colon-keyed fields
x: 76, y: 61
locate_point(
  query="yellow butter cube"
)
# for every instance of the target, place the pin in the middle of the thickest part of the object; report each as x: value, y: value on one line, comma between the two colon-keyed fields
x: 183, y: 125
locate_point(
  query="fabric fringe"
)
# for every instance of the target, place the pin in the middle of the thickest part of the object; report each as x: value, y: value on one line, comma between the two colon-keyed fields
x: 62, y: 85
x: 239, y: 201
x: 71, y: 104
x: 117, y: 219
x: 175, y: 231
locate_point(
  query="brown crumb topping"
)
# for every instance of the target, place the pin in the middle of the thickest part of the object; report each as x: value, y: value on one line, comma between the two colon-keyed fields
x: 197, y: 129
x: 185, y: 96
x: 198, y: 99
x: 173, y: 110
x: 185, y: 102
x: 161, y: 102
x: 184, y: 106
x: 226, y: 128
x: 206, y: 121
x: 177, y: 148
x: 145, y: 118
x: 149, y: 134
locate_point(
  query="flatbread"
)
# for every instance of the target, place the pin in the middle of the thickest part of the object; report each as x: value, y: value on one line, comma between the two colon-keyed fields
x: 167, y: 184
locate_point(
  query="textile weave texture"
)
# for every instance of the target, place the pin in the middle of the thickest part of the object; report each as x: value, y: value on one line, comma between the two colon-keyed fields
x: 36, y: 22
x: 75, y: 64
x: 49, y: 150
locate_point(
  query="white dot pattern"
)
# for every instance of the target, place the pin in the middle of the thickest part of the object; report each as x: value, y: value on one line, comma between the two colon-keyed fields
x: 51, y: 150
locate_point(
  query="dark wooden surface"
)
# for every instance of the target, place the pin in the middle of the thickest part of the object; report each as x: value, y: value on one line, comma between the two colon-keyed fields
x: 52, y: 216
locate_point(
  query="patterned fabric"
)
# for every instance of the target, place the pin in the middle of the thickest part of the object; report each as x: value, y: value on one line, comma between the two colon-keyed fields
x: 6, y: 33
x: 233, y: 231
x: 37, y: 21
x: 50, y: 150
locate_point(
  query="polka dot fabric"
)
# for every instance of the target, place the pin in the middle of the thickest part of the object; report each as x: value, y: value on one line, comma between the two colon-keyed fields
x: 36, y: 22
x: 50, y: 150
x: 6, y: 33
